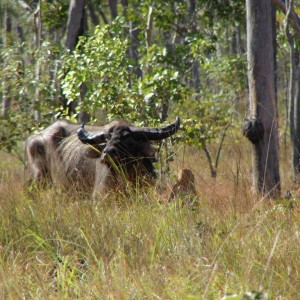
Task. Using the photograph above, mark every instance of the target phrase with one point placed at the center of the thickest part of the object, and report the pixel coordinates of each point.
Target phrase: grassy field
(56, 246)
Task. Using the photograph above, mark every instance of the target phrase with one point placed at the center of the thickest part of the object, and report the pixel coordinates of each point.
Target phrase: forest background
(146, 61)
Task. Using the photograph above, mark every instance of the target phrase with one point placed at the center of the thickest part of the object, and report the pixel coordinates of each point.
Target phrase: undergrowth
(138, 246)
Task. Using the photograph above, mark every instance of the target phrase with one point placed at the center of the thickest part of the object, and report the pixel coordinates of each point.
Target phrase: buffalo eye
(108, 136)
(125, 134)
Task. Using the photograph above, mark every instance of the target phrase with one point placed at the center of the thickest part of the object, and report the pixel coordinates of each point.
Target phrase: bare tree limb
(213, 171)
(221, 144)
(295, 20)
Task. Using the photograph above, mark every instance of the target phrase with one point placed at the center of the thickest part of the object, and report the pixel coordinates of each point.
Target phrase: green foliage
(101, 64)
(55, 13)
(13, 87)
(27, 73)
(161, 85)
(229, 73)
(100, 78)
(204, 120)
(225, 9)
(20, 82)
(207, 114)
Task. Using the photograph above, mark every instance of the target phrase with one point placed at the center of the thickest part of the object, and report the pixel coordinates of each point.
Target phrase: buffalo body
(94, 158)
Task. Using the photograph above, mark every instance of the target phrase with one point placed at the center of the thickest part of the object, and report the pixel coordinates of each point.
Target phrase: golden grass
(55, 246)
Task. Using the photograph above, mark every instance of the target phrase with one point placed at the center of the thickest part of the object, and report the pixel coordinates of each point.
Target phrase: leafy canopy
(101, 65)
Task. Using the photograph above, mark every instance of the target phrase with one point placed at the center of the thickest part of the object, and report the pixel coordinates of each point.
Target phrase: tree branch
(295, 20)
(221, 144)
(213, 171)
(25, 5)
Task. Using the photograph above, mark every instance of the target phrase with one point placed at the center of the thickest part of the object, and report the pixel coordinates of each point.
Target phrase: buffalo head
(124, 144)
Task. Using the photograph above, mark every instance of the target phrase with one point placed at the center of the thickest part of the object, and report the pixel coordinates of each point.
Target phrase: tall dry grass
(136, 246)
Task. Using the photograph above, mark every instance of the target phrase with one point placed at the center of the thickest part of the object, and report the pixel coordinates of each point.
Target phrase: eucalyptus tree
(261, 127)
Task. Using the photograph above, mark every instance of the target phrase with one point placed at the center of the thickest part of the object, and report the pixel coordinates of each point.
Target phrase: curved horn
(86, 138)
(156, 133)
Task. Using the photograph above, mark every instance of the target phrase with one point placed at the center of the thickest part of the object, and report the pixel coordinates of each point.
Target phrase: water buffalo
(94, 158)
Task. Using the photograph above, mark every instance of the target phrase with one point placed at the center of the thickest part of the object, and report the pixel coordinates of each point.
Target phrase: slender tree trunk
(76, 25)
(236, 44)
(296, 139)
(294, 18)
(133, 48)
(94, 16)
(38, 31)
(274, 41)
(134, 41)
(195, 76)
(293, 92)
(104, 18)
(261, 128)
(6, 99)
(113, 7)
(149, 27)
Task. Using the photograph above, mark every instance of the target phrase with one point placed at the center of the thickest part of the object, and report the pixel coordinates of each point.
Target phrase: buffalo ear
(92, 152)
(37, 147)
(59, 134)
